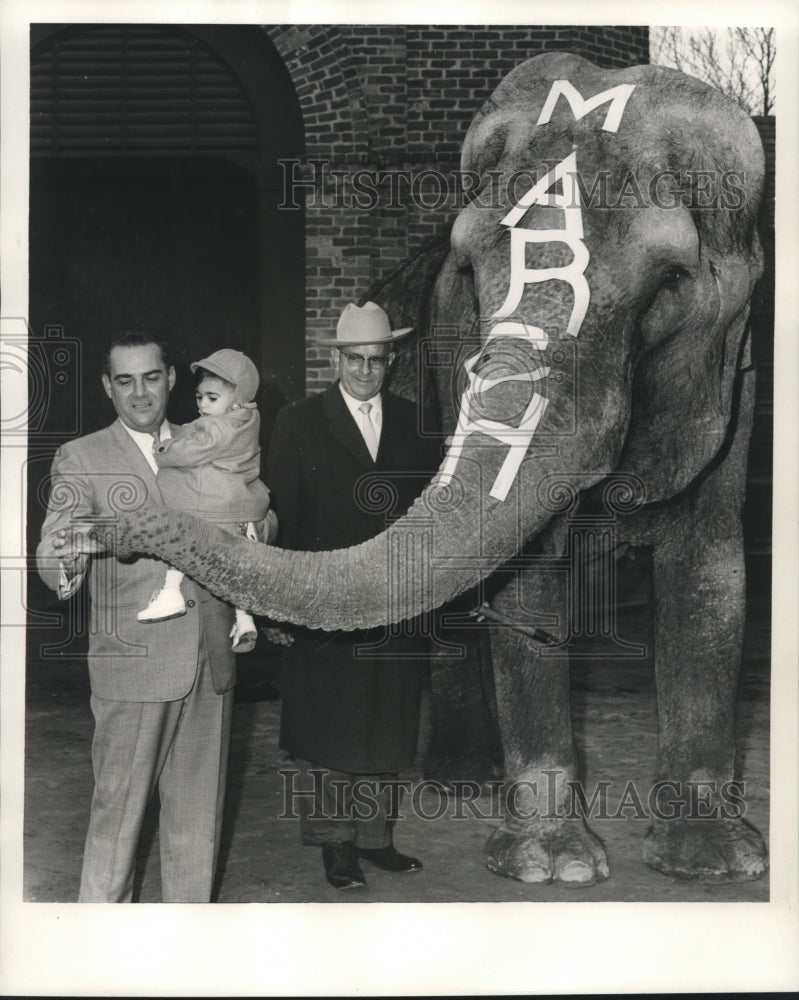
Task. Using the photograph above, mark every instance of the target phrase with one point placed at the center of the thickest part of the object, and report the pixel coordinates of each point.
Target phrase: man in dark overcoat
(350, 700)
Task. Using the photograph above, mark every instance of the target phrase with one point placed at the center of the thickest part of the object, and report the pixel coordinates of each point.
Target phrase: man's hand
(74, 545)
(277, 635)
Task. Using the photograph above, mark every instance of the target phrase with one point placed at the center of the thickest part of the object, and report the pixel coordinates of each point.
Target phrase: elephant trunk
(455, 534)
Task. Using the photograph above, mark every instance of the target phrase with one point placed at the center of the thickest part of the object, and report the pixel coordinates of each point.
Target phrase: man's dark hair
(135, 338)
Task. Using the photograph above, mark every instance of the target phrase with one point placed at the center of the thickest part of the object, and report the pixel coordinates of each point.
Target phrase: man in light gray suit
(161, 692)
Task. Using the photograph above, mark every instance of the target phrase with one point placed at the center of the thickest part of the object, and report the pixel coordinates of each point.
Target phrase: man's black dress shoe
(341, 866)
(389, 859)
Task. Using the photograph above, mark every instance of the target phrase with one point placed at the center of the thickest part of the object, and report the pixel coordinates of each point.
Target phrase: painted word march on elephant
(519, 436)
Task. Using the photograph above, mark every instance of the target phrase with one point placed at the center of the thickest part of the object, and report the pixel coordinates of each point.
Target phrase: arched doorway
(154, 194)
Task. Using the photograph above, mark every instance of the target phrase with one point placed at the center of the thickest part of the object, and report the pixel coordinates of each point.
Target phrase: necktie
(369, 432)
(156, 436)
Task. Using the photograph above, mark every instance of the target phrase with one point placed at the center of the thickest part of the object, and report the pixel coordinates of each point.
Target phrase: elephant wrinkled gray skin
(599, 283)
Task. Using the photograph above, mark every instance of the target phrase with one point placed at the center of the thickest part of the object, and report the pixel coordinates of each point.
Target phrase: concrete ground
(262, 858)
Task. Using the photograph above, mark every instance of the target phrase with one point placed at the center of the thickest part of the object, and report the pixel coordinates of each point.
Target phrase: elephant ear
(686, 386)
(695, 329)
(405, 294)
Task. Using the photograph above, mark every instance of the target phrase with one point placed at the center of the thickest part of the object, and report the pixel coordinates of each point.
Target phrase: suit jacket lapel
(386, 445)
(343, 427)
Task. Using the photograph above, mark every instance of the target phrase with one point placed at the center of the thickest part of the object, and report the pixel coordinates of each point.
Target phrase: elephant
(584, 332)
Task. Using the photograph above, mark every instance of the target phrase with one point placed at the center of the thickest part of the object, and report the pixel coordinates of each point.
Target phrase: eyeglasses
(358, 360)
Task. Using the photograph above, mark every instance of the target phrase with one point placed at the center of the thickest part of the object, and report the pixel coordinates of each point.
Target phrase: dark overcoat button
(189, 604)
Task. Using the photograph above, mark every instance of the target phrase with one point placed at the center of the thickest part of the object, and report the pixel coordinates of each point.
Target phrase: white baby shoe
(164, 604)
(243, 632)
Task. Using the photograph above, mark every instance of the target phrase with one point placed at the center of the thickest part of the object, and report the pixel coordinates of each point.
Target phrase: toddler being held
(211, 468)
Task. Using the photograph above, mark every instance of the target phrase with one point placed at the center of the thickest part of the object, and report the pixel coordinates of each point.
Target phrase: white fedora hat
(358, 325)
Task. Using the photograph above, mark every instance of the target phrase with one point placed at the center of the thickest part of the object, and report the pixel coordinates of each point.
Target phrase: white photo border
(421, 949)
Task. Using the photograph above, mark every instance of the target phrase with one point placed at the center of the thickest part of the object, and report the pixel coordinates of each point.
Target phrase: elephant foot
(562, 852)
(723, 850)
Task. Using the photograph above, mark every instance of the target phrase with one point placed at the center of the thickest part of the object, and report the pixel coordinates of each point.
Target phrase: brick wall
(386, 108)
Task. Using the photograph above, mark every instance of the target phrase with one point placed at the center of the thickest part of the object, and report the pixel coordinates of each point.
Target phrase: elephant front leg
(541, 838)
(698, 831)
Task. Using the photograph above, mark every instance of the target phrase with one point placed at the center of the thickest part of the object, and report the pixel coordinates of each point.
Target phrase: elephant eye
(673, 277)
